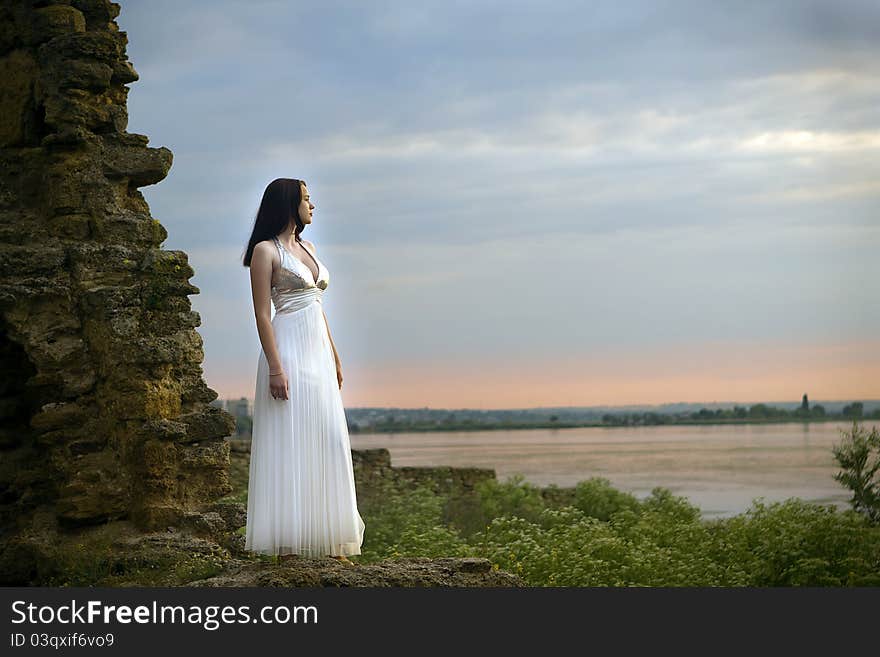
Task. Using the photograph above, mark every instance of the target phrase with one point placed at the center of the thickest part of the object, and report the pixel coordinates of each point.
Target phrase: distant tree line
(758, 412)
(426, 419)
(401, 422)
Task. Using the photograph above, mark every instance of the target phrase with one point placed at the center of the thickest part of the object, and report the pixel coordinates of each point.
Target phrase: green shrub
(859, 456)
(664, 542)
(513, 497)
(596, 497)
(406, 523)
(436, 541)
(797, 543)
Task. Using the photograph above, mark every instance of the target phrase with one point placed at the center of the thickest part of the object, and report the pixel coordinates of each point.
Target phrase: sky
(527, 204)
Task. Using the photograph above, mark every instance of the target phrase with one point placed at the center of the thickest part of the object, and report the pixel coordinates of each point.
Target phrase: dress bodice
(293, 284)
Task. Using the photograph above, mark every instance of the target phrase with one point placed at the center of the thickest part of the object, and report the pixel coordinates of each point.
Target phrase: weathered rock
(106, 416)
(200, 552)
(401, 572)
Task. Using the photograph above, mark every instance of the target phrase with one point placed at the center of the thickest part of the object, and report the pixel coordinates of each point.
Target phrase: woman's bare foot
(342, 558)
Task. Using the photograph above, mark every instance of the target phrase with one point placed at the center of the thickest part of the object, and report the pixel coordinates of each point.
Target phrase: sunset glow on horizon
(724, 373)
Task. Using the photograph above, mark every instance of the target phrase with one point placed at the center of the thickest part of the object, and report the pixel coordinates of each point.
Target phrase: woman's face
(305, 206)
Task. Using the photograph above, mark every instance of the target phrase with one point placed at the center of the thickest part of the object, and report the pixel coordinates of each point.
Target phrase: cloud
(603, 173)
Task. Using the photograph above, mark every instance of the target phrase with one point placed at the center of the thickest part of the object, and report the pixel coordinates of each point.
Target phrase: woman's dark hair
(280, 204)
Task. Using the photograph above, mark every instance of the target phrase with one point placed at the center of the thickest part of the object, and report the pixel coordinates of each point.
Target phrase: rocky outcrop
(405, 572)
(204, 550)
(105, 413)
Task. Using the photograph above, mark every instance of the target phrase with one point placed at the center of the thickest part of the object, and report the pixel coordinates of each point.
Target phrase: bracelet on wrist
(275, 374)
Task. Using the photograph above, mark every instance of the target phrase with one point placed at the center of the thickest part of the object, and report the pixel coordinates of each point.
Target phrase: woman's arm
(261, 283)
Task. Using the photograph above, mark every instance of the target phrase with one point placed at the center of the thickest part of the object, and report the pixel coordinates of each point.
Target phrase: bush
(859, 456)
(797, 543)
(514, 497)
(597, 498)
(568, 548)
(406, 523)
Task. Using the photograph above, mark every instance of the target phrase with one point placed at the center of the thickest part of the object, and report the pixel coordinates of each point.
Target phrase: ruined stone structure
(370, 465)
(104, 409)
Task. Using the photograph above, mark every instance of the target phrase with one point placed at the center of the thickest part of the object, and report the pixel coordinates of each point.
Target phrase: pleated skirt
(301, 489)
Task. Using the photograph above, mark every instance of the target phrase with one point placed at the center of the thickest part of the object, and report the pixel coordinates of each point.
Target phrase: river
(719, 468)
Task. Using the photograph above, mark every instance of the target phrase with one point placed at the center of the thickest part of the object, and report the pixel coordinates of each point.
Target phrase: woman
(301, 491)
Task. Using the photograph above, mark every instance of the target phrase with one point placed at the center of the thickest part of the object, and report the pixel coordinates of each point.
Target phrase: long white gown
(301, 490)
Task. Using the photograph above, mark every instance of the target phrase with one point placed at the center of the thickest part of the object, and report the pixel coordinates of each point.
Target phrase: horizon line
(527, 408)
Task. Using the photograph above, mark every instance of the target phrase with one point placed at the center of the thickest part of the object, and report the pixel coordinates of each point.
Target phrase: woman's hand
(278, 385)
(339, 373)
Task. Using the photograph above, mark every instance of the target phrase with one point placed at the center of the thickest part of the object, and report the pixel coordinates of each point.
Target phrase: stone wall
(372, 469)
(374, 465)
(105, 413)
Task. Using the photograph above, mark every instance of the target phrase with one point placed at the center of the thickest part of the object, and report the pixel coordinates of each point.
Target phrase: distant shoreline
(403, 428)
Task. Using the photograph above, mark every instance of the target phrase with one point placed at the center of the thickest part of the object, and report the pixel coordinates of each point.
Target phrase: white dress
(301, 490)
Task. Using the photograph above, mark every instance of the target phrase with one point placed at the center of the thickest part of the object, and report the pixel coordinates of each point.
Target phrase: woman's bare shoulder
(266, 249)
